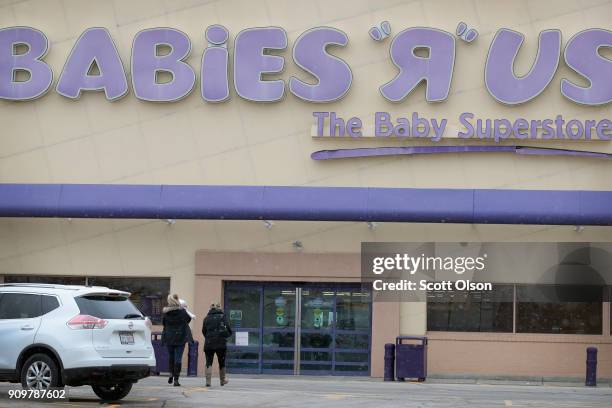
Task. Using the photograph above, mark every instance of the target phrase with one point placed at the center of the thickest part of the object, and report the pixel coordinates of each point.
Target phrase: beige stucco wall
(55, 140)
(518, 355)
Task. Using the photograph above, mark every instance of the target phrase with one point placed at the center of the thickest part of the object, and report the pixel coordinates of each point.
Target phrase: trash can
(411, 357)
(161, 354)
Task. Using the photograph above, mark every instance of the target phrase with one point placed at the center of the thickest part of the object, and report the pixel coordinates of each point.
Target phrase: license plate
(126, 337)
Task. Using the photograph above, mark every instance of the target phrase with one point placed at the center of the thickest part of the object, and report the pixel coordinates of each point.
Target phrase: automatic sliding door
(303, 329)
(278, 329)
(317, 330)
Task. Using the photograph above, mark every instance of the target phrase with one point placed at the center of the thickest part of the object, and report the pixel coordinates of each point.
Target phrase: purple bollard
(591, 367)
(161, 354)
(389, 362)
(192, 361)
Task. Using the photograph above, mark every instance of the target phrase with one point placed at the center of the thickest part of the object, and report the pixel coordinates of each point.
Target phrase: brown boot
(222, 378)
(208, 373)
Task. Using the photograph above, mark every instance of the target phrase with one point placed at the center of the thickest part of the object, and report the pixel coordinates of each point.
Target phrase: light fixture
(372, 225)
(297, 245)
(268, 224)
(578, 228)
(171, 221)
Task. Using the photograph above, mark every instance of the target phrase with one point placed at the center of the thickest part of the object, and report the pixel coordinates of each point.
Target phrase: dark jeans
(210, 354)
(175, 356)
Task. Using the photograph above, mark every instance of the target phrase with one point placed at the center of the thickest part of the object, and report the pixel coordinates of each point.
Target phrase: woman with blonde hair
(174, 336)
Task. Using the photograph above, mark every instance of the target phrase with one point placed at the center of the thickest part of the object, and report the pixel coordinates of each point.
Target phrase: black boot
(177, 373)
(171, 371)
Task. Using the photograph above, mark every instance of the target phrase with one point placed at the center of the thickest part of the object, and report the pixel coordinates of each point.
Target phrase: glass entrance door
(317, 330)
(298, 329)
(278, 346)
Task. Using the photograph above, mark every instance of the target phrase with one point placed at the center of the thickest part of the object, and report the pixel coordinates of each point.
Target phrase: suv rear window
(107, 307)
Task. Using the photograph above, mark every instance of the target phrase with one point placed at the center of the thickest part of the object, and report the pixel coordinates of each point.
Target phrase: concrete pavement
(322, 392)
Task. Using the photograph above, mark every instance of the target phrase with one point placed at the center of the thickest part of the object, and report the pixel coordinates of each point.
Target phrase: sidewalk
(342, 392)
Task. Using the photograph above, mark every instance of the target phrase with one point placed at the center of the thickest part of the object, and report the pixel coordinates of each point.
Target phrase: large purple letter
(333, 74)
(10, 62)
(436, 69)
(500, 80)
(215, 61)
(250, 62)
(582, 55)
(94, 45)
(146, 63)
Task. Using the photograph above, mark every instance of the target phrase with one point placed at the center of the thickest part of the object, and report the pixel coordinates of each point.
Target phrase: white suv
(56, 335)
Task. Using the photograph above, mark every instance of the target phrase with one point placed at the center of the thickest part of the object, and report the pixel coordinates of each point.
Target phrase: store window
(559, 309)
(148, 294)
(475, 311)
(52, 280)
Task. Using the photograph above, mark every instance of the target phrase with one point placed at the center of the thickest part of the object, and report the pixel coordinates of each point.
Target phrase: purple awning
(551, 207)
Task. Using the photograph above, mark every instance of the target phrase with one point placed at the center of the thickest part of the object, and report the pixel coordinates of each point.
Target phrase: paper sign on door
(242, 338)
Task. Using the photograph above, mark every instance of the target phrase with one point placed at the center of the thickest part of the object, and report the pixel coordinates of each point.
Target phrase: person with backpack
(174, 336)
(216, 330)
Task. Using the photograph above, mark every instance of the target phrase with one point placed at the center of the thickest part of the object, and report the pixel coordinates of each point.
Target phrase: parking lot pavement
(321, 392)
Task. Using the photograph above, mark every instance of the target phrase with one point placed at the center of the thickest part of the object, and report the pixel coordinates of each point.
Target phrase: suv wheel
(39, 372)
(112, 392)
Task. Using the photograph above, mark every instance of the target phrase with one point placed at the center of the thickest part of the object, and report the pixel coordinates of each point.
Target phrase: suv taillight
(148, 323)
(84, 322)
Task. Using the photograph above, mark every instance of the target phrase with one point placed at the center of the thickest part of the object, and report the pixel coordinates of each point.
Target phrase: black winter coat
(176, 330)
(213, 340)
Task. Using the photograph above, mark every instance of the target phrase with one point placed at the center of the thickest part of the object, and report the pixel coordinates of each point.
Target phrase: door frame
(260, 286)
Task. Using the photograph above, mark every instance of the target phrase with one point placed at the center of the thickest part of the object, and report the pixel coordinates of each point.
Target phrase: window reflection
(476, 311)
(353, 309)
(242, 307)
(561, 309)
(148, 294)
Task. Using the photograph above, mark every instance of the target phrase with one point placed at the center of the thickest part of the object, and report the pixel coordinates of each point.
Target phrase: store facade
(182, 161)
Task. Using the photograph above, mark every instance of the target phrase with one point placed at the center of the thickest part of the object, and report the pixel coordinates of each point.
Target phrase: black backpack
(219, 329)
